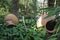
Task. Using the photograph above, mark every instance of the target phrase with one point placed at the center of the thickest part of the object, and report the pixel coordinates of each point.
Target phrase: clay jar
(11, 20)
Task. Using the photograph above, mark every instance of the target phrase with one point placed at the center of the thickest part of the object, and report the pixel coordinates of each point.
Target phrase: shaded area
(50, 25)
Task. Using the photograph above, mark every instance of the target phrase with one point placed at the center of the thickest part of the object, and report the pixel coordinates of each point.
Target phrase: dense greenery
(26, 29)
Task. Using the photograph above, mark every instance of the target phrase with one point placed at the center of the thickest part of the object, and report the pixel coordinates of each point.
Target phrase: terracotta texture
(11, 19)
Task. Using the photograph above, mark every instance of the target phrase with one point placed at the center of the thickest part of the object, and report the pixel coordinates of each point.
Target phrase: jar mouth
(50, 25)
(11, 26)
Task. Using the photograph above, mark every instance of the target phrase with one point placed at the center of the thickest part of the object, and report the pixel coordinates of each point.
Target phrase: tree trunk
(58, 2)
(15, 7)
(51, 3)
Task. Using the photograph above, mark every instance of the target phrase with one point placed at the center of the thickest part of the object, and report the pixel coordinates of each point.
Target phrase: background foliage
(26, 29)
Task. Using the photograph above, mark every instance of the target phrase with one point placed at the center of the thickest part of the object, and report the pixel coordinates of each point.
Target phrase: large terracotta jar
(44, 22)
(11, 20)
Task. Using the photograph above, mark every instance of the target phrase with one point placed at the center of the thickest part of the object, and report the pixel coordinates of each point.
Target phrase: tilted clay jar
(42, 21)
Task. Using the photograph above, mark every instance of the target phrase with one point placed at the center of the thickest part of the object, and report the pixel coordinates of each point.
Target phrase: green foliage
(19, 32)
